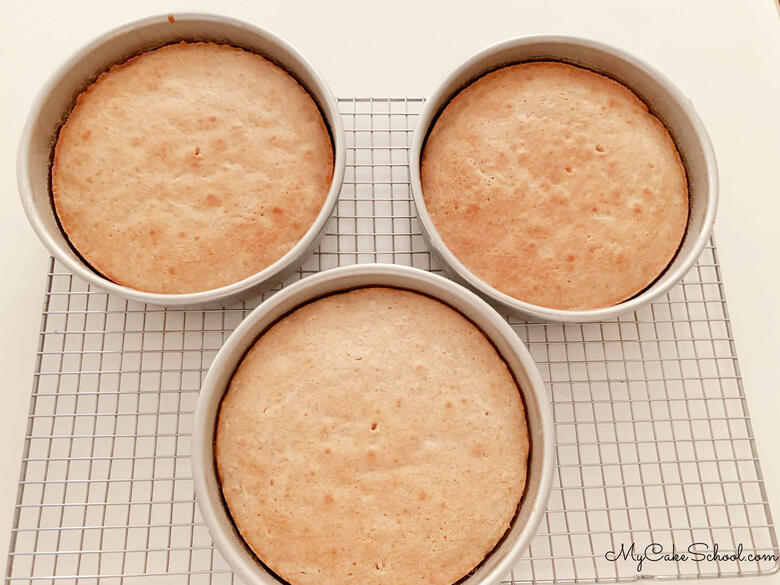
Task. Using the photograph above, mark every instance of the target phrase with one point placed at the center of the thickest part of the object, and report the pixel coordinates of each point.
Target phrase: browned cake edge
(218, 467)
(65, 127)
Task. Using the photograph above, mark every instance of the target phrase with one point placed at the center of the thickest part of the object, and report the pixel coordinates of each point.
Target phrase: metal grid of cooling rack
(654, 438)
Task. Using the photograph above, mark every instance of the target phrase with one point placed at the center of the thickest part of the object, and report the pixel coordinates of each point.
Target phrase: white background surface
(724, 54)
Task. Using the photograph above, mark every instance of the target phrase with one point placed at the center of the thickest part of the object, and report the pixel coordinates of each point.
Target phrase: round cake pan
(538, 411)
(663, 99)
(55, 100)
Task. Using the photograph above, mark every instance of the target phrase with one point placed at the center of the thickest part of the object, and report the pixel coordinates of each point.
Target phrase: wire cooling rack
(654, 439)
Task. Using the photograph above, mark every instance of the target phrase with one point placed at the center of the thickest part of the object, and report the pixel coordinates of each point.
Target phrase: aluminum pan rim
(539, 481)
(437, 101)
(267, 276)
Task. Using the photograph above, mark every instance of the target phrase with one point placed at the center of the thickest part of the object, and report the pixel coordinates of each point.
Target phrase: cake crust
(190, 167)
(579, 193)
(372, 437)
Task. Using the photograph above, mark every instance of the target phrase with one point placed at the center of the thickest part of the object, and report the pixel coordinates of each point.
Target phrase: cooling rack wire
(654, 443)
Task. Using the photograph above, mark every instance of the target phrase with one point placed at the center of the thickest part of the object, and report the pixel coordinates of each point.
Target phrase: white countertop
(724, 54)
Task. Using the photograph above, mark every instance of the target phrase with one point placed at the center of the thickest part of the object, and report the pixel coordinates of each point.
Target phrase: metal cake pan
(538, 410)
(663, 99)
(55, 100)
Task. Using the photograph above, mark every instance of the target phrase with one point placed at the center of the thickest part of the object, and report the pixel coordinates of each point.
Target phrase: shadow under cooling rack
(654, 438)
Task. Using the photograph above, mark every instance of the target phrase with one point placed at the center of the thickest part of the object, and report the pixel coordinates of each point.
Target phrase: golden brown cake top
(190, 167)
(556, 186)
(372, 437)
